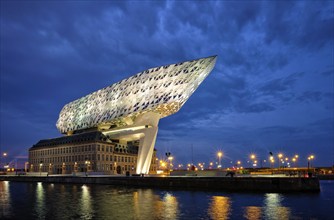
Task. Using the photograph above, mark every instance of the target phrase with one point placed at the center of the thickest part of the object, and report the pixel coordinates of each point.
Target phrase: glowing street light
(40, 167)
(272, 161)
(219, 154)
(4, 156)
(87, 163)
(311, 157)
(170, 160)
(279, 158)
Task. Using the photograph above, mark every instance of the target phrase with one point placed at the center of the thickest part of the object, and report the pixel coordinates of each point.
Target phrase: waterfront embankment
(244, 184)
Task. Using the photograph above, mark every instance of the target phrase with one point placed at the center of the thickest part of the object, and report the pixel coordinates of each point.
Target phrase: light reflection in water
(86, 203)
(253, 212)
(5, 201)
(169, 207)
(143, 200)
(40, 201)
(219, 208)
(74, 201)
(273, 208)
(148, 204)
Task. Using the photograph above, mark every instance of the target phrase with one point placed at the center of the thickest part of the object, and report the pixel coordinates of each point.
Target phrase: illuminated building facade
(129, 111)
(85, 152)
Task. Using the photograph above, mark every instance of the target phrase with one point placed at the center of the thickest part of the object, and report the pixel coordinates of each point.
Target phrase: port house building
(114, 129)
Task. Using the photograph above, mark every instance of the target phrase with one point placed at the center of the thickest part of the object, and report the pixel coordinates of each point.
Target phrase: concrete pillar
(147, 142)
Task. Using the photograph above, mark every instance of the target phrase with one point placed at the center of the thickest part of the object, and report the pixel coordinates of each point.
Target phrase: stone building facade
(85, 152)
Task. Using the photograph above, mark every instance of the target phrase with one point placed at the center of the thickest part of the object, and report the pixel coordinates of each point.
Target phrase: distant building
(85, 152)
(119, 121)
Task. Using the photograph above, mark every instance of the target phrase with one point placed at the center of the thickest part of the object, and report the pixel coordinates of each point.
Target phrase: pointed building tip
(213, 56)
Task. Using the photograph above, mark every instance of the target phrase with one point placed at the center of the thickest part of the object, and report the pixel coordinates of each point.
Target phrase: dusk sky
(272, 88)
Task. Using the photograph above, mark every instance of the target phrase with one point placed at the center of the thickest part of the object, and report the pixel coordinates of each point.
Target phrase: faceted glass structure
(161, 90)
(133, 107)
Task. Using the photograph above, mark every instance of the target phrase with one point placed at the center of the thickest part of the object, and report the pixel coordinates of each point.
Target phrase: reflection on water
(169, 208)
(146, 204)
(71, 201)
(219, 207)
(40, 203)
(273, 208)
(253, 213)
(86, 203)
(5, 202)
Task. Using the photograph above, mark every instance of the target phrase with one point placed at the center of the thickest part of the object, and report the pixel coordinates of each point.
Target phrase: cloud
(302, 24)
(282, 84)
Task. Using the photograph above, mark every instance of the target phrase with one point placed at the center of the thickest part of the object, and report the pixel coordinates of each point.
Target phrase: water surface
(22, 200)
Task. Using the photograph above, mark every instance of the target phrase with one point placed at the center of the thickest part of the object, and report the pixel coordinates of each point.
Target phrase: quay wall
(245, 184)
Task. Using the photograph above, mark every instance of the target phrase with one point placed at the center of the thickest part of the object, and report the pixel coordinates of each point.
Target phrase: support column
(146, 144)
(146, 148)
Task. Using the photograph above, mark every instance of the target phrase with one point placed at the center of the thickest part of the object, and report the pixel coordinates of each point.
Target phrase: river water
(23, 200)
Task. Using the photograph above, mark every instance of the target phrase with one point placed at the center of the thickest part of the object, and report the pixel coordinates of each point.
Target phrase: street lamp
(170, 158)
(4, 157)
(294, 160)
(40, 167)
(272, 162)
(219, 154)
(87, 164)
(254, 162)
(279, 158)
(311, 157)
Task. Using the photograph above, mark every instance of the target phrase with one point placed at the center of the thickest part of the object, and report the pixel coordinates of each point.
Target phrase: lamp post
(279, 159)
(253, 157)
(168, 156)
(4, 158)
(309, 161)
(219, 154)
(86, 163)
(296, 159)
(40, 167)
(271, 158)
